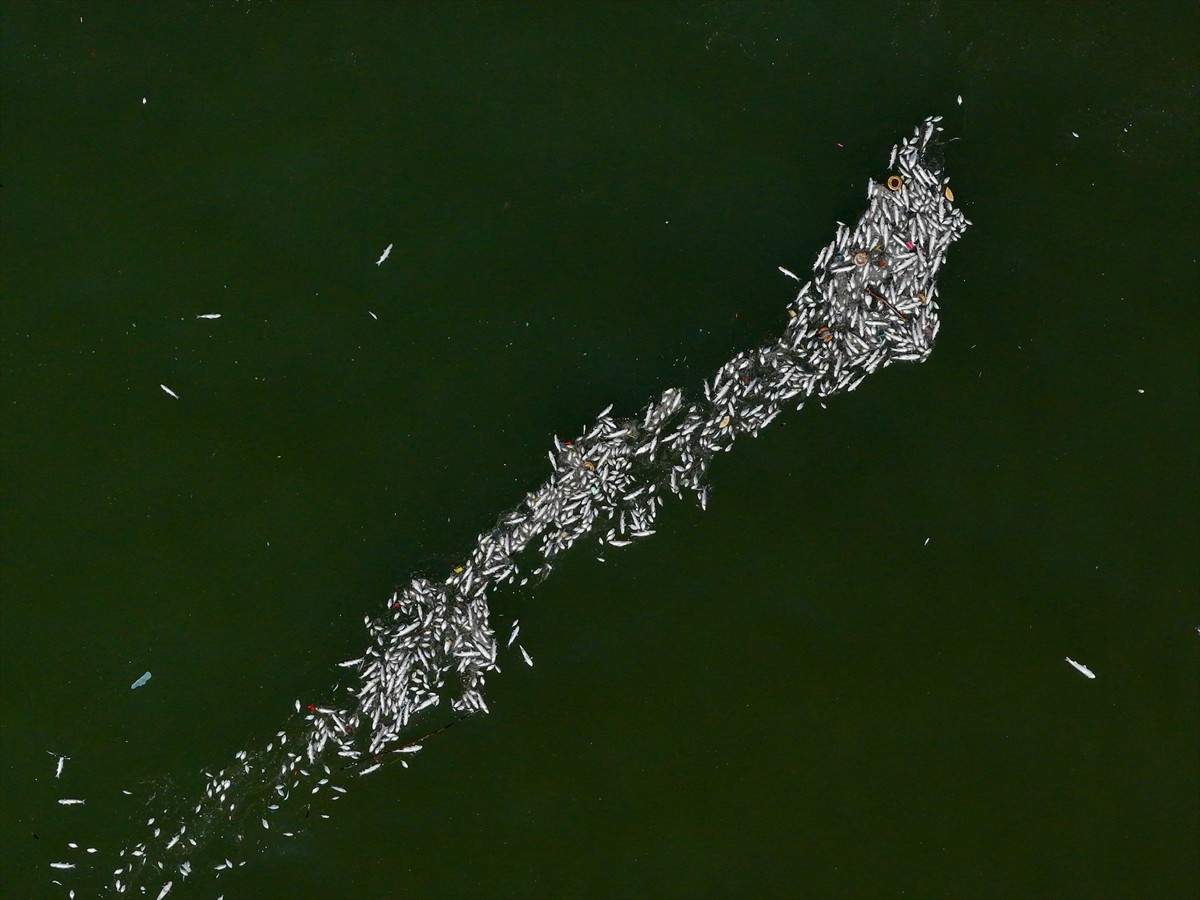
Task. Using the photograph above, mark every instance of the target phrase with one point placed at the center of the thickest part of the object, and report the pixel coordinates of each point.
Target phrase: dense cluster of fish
(871, 302)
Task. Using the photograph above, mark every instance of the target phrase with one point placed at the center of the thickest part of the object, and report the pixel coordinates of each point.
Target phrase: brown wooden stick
(870, 290)
(396, 753)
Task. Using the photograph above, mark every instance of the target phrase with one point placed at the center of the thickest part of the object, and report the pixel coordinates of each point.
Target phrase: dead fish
(1081, 667)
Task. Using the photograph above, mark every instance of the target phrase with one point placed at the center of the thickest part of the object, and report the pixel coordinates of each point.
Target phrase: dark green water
(791, 694)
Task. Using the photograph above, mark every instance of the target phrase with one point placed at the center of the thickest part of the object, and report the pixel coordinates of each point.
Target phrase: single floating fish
(791, 275)
(58, 770)
(386, 252)
(209, 316)
(137, 684)
(1081, 667)
(67, 801)
(169, 391)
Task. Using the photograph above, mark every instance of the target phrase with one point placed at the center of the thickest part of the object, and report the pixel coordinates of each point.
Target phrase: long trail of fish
(871, 302)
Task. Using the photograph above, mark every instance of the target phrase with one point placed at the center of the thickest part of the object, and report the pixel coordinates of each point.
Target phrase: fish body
(1081, 667)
